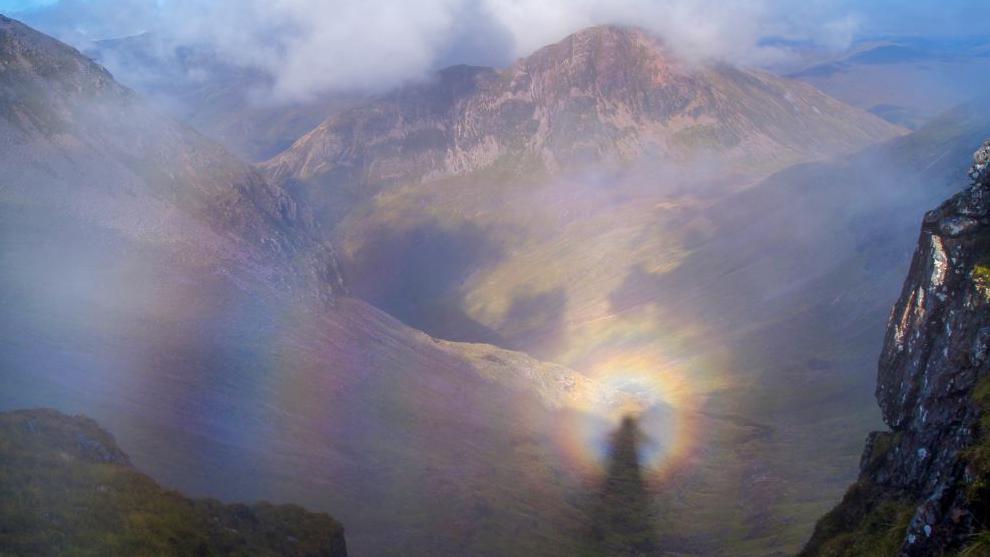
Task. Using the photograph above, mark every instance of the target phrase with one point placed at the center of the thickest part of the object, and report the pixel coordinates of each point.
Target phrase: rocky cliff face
(922, 486)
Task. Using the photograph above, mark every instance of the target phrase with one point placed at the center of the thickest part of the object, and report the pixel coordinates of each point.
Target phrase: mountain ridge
(160, 285)
(61, 111)
(606, 94)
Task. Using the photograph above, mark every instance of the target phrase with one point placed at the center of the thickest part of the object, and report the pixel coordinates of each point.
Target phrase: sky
(311, 46)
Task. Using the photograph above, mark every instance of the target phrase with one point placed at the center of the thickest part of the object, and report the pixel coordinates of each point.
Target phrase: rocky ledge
(924, 486)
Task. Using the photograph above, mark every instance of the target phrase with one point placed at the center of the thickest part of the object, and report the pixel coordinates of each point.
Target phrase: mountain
(68, 489)
(755, 296)
(905, 80)
(605, 94)
(224, 101)
(922, 484)
(157, 283)
(760, 307)
(522, 171)
(793, 279)
(80, 147)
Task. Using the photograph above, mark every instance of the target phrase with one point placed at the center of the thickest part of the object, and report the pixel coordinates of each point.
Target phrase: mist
(623, 297)
(308, 47)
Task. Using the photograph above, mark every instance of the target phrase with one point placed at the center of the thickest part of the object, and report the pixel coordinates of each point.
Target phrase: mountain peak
(611, 56)
(608, 35)
(603, 94)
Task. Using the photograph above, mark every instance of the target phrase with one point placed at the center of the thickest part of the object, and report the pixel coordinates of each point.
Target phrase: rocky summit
(924, 486)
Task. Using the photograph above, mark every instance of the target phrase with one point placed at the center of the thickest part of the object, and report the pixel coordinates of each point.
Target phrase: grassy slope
(771, 302)
(66, 489)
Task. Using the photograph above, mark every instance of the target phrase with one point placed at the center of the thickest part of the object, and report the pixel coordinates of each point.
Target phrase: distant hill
(905, 80)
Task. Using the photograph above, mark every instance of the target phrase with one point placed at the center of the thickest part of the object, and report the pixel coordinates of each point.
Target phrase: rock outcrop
(922, 486)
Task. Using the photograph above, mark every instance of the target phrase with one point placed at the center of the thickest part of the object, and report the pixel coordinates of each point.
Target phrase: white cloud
(309, 46)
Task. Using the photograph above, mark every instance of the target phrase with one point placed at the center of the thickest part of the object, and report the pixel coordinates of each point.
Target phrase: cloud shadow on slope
(416, 274)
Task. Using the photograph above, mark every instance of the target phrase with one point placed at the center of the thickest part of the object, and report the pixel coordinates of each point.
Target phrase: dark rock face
(933, 360)
(933, 356)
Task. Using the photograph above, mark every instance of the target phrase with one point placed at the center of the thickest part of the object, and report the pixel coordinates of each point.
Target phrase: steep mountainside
(153, 281)
(922, 488)
(605, 94)
(760, 306)
(794, 279)
(79, 146)
(735, 290)
(68, 489)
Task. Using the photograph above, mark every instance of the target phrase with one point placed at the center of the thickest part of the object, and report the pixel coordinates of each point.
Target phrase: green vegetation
(66, 489)
(870, 521)
(981, 269)
(978, 547)
(883, 442)
(981, 272)
(977, 459)
(867, 523)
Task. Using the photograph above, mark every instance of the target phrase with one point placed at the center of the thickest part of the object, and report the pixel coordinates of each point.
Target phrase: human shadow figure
(622, 521)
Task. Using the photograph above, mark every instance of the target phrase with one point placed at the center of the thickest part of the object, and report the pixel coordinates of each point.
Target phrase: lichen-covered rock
(981, 160)
(933, 361)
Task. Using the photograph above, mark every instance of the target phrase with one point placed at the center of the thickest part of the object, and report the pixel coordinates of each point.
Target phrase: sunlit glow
(653, 391)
